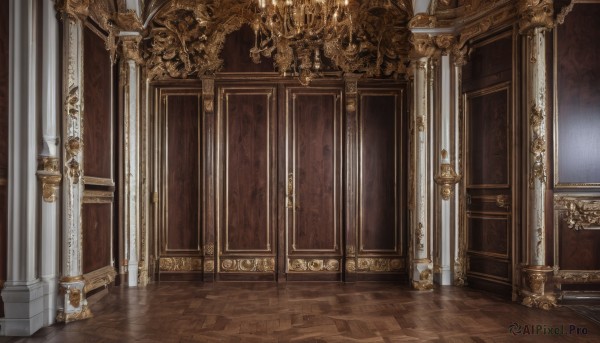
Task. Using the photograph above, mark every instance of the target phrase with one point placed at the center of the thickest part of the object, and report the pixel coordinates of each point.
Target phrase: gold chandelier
(296, 33)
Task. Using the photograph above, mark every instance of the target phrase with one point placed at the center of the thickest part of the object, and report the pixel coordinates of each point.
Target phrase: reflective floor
(314, 312)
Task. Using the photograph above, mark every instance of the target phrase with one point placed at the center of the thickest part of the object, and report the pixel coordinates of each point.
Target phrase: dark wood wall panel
(97, 222)
(489, 267)
(578, 95)
(4, 35)
(488, 234)
(488, 139)
(578, 250)
(182, 172)
(235, 53)
(315, 151)
(379, 158)
(249, 162)
(489, 63)
(97, 126)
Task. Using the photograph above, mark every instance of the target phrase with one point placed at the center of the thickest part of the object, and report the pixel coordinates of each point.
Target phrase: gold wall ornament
(420, 234)
(445, 43)
(380, 264)
(180, 264)
(130, 46)
(422, 45)
(459, 271)
(534, 14)
(538, 146)
(564, 11)
(577, 276)
(209, 105)
(580, 214)
(209, 265)
(74, 296)
(446, 178)
(248, 265)
(313, 265)
(50, 177)
(209, 249)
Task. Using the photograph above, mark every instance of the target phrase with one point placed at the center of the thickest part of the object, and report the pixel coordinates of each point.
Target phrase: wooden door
(246, 183)
(313, 183)
(490, 169)
(180, 188)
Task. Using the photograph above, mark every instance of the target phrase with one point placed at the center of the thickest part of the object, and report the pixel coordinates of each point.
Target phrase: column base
(23, 309)
(132, 274)
(533, 290)
(422, 278)
(50, 292)
(444, 276)
(72, 296)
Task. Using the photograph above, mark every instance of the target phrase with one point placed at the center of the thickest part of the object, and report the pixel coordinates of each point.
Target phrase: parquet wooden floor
(311, 312)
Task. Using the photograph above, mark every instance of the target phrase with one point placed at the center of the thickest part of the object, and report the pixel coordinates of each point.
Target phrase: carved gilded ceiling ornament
(535, 13)
(130, 47)
(445, 43)
(580, 214)
(76, 8)
(422, 20)
(187, 37)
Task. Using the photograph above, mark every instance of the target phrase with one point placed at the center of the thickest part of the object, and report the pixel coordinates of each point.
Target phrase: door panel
(313, 215)
(489, 188)
(380, 175)
(248, 209)
(180, 233)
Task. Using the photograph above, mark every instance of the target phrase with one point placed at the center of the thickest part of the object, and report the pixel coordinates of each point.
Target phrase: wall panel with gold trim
(313, 215)
(99, 164)
(180, 174)
(247, 182)
(381, 187)
(576, 201)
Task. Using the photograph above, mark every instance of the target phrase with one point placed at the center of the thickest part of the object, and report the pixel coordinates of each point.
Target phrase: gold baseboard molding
(99, 278)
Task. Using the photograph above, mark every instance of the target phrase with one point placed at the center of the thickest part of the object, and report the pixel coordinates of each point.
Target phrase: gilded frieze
(379, 264)
(248, 265)
(180, 264)
(313, 265)
(578, 213)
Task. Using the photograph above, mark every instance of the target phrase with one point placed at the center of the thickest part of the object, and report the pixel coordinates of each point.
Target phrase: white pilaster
(23, 291)
(72, 304)
(131, 41)
(422, 277)
(49, 158)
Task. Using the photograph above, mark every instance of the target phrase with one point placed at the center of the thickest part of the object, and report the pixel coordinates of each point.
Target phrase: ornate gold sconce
(446, 178)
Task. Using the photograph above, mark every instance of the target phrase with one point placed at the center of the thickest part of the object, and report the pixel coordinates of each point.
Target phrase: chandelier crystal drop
(296, 33)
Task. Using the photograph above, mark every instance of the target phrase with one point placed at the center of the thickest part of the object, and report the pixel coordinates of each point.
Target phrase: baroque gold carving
(578, 276)
(209, 249)
(446, 178)
(422, 20)
(534, 294)
(209, 105)
(580, 214)
(313, 265)
(131, 48)
(75, 8)
(420, 235)
(560, 17)
(350, 266)
(50, 177)
(422, 45)
(535, 13)
(99, 278)
(425, 281)
(63, 317)
(380, 264)
(74, 296)
(180, 264)
(209, 265)
(444, 43)
(538, 147)
(248, 265)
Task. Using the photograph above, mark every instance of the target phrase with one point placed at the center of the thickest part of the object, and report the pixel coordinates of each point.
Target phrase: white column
(23, 291)
(422, 277)
(72, 304)
(445, 272)
(132, 59)
(49, 173)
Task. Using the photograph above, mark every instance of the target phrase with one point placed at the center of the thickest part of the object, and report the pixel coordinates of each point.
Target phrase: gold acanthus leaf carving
(248, 265)
(313, 265)
(535, 13)
(75, 8)
(580, 214)
(366, 264)
(178, 264)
